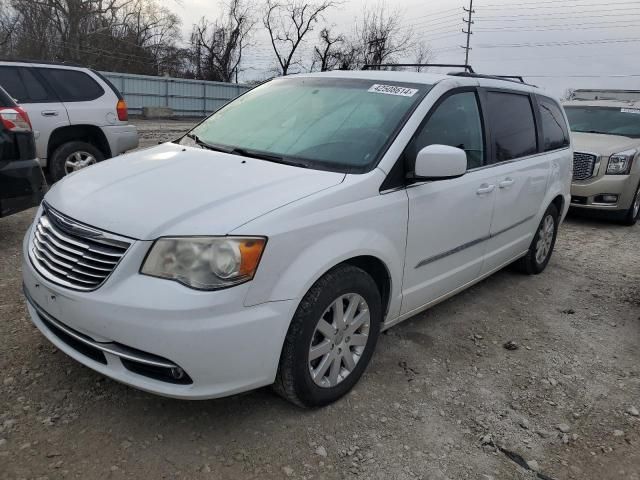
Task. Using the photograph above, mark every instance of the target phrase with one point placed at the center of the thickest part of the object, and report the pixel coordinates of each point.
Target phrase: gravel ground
(442, 398)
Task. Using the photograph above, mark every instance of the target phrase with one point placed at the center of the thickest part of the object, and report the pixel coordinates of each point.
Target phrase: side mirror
(439, 162)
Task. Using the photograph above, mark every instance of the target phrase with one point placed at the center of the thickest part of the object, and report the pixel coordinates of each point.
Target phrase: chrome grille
(72, 254)
(583, 164)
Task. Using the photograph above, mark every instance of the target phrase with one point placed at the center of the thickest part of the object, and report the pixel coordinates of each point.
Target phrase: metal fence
(188, 98)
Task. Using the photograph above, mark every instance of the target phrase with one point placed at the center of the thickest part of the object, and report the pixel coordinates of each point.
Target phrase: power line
(561, 43)
(555, 4)
(581, 25)
(506, 30)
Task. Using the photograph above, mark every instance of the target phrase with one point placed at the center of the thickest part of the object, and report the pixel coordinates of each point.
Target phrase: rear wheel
(331, 338)
(541, 248)
(633, 214)
(72, 156)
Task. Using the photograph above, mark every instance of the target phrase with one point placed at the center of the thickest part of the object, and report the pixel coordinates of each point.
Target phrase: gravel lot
(442, 398)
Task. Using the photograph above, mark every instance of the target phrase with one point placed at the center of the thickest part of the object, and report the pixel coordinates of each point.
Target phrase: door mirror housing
(439, 162)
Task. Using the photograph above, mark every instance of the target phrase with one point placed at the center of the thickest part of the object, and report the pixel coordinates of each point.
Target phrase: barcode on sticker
(631, 110)
(393, 90)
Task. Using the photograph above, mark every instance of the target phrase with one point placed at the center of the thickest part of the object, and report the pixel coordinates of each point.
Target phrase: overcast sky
(554, 44)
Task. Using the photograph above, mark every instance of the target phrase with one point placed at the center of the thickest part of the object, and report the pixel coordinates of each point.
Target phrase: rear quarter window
(512, 124)
(72, 85)
(554, 128)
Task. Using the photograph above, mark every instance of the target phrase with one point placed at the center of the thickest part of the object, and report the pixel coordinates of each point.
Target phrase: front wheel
(541, 248)
(631, 216)
(331, 338)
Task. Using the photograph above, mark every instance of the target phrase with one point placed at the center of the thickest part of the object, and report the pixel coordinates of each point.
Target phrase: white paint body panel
(230, 340)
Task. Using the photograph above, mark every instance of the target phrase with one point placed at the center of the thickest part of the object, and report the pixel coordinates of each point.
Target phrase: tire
(633, 214)
(347, 285)
(533, 263)
(79, 152)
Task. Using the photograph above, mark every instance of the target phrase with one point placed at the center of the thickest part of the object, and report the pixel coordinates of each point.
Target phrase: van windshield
(323, 123)
(606, 120)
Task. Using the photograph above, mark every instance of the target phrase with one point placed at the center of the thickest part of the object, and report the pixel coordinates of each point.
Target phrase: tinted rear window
(12, 83)
(22, 84)
(72, 85)
(5, 99)
(554, 127)
(513, 125)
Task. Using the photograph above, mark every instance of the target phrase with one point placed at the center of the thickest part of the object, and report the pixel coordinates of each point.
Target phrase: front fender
(312, 236)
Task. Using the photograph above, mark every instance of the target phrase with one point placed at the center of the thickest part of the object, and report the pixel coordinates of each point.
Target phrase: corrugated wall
(188, 98)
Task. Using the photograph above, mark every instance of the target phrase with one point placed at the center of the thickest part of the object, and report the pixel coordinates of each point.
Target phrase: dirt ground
(441, 399)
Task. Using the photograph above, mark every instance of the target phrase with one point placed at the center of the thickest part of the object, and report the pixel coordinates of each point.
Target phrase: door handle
(485, 188)
(506, 183)
(49, 113)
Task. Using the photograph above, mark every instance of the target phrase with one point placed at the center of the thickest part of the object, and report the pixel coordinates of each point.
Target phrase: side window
(12, 83)
(72, 85)
(455, 122)
(513, 125)
(554, 128)
(23, 85)
(35, 90)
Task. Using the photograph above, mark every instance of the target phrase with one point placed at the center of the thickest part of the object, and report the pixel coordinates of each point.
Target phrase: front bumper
(588, 193)
(223, 346)
(121, 138)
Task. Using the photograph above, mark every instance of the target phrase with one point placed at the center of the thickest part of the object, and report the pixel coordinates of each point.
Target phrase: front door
(45, 110)
(449, 220)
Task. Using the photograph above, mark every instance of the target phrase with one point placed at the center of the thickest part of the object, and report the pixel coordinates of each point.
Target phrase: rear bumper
(588, 194)
(121, 138)
(22, 186)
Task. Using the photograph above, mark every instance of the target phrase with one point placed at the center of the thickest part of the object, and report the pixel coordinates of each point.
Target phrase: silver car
(79, 118)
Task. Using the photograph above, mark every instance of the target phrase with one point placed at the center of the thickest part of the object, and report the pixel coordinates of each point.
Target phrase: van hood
(176, 190)
(600, 144)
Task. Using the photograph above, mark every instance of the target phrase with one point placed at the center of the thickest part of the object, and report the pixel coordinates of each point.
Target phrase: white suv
(79, 118)
(274, 241)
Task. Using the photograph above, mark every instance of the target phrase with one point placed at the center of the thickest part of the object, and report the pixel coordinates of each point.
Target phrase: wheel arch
(82, 133)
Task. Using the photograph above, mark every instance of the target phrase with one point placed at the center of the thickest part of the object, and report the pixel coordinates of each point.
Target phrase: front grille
(583, 164)
(74, 255)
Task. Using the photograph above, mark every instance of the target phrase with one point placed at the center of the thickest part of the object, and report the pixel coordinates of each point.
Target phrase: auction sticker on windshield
(393, 90)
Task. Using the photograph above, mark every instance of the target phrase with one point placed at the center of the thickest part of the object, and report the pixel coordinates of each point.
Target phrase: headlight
(620, 163)
(205, 263)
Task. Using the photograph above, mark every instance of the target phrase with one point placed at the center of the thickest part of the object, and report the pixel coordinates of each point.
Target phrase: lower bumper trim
(137, 361)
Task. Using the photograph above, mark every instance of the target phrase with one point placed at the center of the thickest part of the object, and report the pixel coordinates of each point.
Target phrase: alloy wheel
(339, 340)
(545, 239)
(77, 161)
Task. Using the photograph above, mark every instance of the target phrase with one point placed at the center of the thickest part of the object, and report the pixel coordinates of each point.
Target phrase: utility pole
(468, 31)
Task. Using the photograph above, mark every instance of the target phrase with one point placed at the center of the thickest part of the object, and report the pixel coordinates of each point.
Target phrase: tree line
(144, 37)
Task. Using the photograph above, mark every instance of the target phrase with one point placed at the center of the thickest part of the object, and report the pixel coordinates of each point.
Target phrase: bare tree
(381, 36)
(568, 94)
(328, 53)
(137, 36)
(288, 22)
(422, 54)
(217, 47)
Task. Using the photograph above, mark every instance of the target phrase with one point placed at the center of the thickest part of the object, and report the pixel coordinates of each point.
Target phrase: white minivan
(275, 241)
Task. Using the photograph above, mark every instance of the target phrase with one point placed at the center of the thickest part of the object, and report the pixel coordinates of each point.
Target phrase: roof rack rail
(506, 78)
(377, 66)
(43, 62)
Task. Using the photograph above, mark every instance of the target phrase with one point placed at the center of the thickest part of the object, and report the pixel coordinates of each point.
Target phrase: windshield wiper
(209, 146)
(266, 156)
